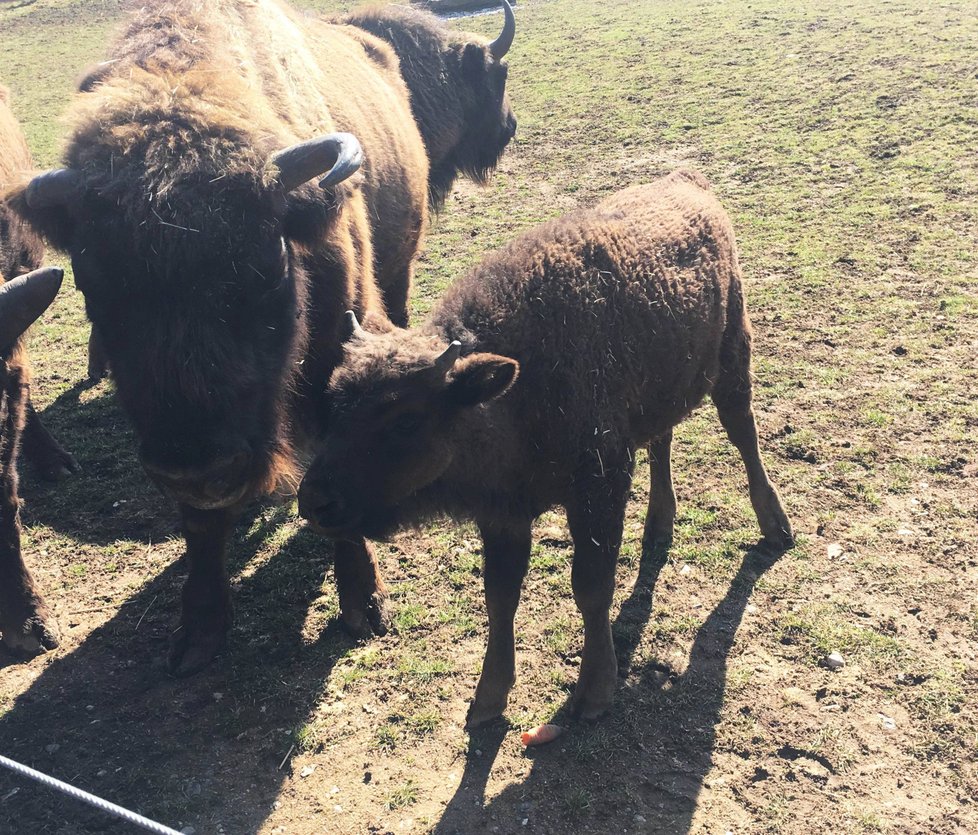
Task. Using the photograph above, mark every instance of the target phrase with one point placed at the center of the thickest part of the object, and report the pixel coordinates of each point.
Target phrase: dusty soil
(843, 140)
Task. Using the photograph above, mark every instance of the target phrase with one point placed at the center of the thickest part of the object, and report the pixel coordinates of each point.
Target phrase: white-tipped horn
(352, 327)
(499, 47)
(447, 359)
(339, 155)
(57, 187)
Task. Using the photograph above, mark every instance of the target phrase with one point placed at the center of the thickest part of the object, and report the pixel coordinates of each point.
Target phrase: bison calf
(604, 329)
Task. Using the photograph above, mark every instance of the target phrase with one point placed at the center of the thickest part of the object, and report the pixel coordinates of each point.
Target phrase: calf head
(399, 420)
(188, 250)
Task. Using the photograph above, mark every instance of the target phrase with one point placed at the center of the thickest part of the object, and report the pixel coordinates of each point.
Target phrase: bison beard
(216, 275)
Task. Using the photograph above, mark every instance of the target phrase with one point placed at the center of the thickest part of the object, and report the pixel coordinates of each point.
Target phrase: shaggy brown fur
(458, 92)
(219, 298)
(619, 321)
(25, 623)
(26, 626)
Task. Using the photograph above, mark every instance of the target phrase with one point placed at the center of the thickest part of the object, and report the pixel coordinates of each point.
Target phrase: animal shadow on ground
(652, 753)
(108, 718)
(111, 498)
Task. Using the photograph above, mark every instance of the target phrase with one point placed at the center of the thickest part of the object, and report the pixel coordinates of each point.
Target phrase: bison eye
(406, 424)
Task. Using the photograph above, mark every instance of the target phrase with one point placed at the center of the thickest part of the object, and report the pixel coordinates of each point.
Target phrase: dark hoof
(374, 619)
(478, 717)
(57, 466)
(97, 370)
(35, 636)
(778, 544)
(192, 650)
(589, 711)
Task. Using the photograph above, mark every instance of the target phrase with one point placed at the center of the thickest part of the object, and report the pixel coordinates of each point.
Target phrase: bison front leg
(506, 557)
(44, 453)
(596, 517)
(98, 360)
(206, 615)
(364, 609)
(26, 626)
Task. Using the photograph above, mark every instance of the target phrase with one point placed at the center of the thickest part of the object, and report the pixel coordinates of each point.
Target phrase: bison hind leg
(732, 395)
(661, 516)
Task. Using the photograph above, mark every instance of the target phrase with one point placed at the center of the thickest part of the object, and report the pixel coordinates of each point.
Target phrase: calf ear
(480, 378)
(54, 223)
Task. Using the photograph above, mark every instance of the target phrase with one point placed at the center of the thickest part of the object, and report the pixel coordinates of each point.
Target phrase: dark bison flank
(566, 351)
(458, 90)
(237, 176)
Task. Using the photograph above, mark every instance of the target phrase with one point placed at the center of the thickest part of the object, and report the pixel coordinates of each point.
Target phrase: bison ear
(480, 378)
(54, 222)
(474, 60)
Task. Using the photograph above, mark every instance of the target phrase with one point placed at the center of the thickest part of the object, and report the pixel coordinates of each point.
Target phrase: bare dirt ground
(843, 140)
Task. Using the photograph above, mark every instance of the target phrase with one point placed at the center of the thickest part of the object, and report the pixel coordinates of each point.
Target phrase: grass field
(843, 138)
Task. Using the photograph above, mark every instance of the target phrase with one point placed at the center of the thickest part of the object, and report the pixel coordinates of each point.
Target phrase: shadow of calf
(640, 769)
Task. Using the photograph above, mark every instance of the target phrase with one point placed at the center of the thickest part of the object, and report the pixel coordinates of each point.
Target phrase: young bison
(606, 328)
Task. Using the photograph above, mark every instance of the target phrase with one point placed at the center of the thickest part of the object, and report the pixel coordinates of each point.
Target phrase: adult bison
(458, 89)
(533, 383)
(216, 273)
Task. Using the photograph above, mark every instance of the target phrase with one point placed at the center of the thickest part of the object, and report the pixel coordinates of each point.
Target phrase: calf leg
(506, 557)
(25, 624)
(596, 517)
(364, 609)
(662, 497)
(44, 453)
(207, 613)
(732, 396)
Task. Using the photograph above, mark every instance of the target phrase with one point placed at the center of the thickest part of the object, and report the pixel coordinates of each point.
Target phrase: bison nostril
(330, 513)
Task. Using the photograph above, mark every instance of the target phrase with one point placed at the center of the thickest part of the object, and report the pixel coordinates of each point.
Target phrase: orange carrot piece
(541, 735)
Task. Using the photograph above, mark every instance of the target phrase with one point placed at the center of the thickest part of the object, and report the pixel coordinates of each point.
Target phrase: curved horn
(338, 155)
(499, 47)
(25, 298)
(446, 361)
(352, 326)
(53, 188)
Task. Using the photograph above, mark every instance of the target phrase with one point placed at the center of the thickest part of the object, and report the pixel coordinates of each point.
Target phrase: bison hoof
(33, 637)
(373, 619)
(589, 709)
(481, 715)
(193, 649)
(58, 465)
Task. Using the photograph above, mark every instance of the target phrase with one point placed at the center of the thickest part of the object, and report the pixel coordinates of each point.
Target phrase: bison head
(400, 407)
(192, 272)
(457, 83)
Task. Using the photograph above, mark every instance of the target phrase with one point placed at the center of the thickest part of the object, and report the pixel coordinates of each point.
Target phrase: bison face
(488, 120)
(400, 408)
(201, 328)
(197, 290)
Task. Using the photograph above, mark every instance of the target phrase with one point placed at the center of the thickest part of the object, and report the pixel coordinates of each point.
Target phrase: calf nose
(322, 507)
